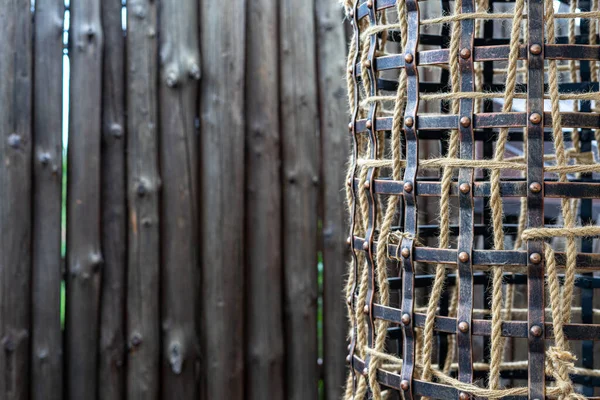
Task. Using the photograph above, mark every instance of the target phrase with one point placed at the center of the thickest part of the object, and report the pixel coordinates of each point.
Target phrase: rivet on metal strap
(405, 252)
(535, 49)
(408, 58)
(463, 327)
(535, 118)
(465, 54)
(463, 256)
(366, 309)
(536, 330)
(464, 188)
(404, 385)
(405, 319)
(369, 124)
(535, 187)
(535, 258)
(463, 396)
(408, 187)
(366, 245)
(465, 122)
(409, 121)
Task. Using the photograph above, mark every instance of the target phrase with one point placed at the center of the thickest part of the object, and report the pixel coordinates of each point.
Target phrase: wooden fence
(201, 190)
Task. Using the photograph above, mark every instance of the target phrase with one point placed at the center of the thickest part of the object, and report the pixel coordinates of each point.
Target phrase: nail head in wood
(535, 49)
(536, 330)
(535, 258)
(535, 118)
(463, 256)
(535, 187)
(463, 327)
(406, 319)
(464, 188)
(404, 385)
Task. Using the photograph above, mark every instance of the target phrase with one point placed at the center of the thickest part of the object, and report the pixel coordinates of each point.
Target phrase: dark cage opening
(473, 190)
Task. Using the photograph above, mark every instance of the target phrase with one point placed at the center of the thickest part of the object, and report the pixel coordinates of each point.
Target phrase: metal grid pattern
(431, 317)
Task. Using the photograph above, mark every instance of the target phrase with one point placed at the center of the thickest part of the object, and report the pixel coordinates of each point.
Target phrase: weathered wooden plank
(111, 353)
(46, 340)
(222, 200)
(264, 347)
(84, 259)
(15, 197)
(180, 70)
(334, 148)
(299, 122)
(143, 186)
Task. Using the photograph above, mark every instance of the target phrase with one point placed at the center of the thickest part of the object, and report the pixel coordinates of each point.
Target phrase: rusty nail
(464, 188)
(405, 252)
(406, 319)
(535, 118)
(404, 385)
(408, 187)
(465, 122)
(463, 327)
(463, 256)
(465, 54)
(535, 258)
(536, 330)
(535, 187)
(535, 49)
(408, 57)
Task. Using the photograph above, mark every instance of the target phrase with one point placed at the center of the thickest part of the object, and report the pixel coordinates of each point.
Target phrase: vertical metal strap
(465, 181)
(410, 195)
(352, 127)
(370, 70)
(535, 198)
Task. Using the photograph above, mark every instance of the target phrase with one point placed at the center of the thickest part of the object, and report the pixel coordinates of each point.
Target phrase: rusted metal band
(410, 194)
(535, 200)
(374, 147)
(465, 199)
(352, 206)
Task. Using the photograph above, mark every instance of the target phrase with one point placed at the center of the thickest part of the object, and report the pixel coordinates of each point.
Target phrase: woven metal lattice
(472, 189)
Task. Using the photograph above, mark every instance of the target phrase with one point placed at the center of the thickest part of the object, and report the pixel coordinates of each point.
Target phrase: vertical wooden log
(143, 185)
(15, 197)
(180, 70)
(84, 260)
(264, 348)
(334, 147)
(300, 197)
(111, 353)
(222, 201)
(46, 340)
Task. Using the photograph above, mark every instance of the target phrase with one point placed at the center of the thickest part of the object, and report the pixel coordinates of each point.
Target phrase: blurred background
(172, 208)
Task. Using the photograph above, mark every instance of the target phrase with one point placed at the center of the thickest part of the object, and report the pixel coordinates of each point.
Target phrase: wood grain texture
(15, 196)
(84, 259)
(46, 340)
(222, 197)
(111, 353)
(143, 188)
(180, 70)
(264, 329)
(334, 148)
(300, 147)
